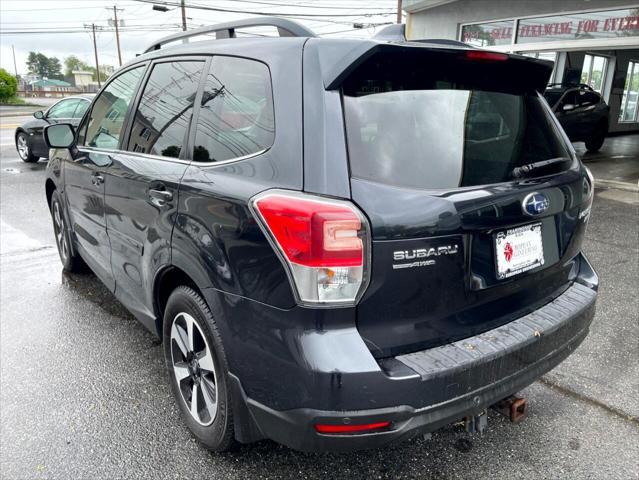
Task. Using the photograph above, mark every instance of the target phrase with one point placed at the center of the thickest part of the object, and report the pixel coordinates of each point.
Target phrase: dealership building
(595, 42)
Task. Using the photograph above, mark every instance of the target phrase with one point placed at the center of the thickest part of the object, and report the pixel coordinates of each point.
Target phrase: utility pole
(117, 32)
(183, 15)
(95, 50)
(15, 67)
(399, 11)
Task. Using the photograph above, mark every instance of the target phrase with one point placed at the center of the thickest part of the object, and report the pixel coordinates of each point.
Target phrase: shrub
(8, 85)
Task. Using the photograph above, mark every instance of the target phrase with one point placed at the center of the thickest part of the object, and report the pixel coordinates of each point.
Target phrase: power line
(254, 12)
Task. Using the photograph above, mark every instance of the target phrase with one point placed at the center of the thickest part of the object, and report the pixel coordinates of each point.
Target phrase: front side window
(105, 123)
(236, 116)
(163, 116)
(427, 123)
(64, 109)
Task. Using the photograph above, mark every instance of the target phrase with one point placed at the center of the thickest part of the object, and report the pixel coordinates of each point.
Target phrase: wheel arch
(167, 280)
(50, 187)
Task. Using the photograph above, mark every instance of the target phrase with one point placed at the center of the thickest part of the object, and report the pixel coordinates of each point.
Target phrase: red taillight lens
(323, 241)
(313, 233)
(366, 427)
(486, 56)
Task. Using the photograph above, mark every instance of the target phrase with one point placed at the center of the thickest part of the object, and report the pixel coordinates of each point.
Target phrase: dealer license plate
(518, 250)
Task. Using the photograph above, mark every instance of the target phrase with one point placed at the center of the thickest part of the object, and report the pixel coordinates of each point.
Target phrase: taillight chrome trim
(288, 266)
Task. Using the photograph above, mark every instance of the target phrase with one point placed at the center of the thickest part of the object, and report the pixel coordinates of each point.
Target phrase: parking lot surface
(84, 393)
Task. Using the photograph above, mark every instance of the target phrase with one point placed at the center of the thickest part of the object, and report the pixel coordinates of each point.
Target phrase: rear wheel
(197, 369)
(70, 262)
(22, 145)
(595, 142)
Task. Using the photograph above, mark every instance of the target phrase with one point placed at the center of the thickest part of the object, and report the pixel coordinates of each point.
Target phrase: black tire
(214, 430)
(24, 151)
(71, 262)
(595, 142)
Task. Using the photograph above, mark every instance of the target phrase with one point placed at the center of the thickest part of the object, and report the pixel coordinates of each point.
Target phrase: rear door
(143, 180)
(463, 239)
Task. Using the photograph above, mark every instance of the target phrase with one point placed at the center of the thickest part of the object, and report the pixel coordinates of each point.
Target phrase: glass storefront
(629, 111)
(593, 72)
(575, 26)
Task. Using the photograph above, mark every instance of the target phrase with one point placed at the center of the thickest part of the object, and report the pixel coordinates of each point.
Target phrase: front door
(85, 173)
(84, 191)
(142, 183)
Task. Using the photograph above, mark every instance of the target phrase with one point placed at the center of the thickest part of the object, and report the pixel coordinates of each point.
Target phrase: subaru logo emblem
(535, 204)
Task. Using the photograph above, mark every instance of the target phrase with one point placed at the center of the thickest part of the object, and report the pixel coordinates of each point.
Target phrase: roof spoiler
(397, 33)
(285, 28)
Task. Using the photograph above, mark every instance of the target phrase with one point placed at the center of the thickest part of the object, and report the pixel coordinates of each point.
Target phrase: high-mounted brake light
(486, 56)
(361, 428)
(324, 243)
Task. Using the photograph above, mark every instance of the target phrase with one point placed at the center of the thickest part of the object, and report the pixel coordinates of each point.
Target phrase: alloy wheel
(23, 148)
(58, 228)
(194, 368)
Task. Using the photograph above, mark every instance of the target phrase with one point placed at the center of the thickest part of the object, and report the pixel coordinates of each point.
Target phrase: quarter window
(163, 117)
(236, 116)
(105, 123)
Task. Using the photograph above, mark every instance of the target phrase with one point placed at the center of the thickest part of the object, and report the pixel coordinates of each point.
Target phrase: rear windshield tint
(431, 123)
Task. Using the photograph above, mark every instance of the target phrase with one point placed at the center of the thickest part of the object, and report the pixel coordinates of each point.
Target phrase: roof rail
(286, 28)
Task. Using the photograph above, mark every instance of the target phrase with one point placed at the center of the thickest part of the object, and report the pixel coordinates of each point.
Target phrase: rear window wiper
(524, 170)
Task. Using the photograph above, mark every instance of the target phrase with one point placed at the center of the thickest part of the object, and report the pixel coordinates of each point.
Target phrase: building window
(488, 34)
(580, 26)
(629, 111)
(593, 72)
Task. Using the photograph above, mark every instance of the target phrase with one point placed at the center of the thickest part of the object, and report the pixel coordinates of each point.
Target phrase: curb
(627, 186)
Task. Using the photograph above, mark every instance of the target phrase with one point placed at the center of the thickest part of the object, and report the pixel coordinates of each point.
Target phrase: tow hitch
(476, 423)
(512, 407)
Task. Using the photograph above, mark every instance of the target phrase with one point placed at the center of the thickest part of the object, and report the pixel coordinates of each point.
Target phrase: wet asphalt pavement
(84, 394)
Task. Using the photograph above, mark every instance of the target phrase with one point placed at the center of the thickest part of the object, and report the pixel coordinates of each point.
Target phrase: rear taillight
(324, 243)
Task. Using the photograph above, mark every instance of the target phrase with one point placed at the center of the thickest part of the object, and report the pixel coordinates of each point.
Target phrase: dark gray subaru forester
(341, 243)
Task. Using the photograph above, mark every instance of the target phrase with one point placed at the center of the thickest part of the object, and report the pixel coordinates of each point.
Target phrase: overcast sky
(139, 18)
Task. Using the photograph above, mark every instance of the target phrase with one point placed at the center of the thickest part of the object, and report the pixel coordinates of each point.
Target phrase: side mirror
(60, 135)
(39, 114)
(569, 107)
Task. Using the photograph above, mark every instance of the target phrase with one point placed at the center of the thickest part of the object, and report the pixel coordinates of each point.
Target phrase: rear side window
(81, 108)
(162, 118)
(430, 123)
(105, 123)
(64, 109)
(236, 115)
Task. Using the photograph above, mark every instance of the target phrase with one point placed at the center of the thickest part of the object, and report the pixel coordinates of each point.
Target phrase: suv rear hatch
(465, 235)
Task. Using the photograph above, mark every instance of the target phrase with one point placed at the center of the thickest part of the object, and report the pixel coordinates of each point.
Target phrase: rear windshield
(428, 123)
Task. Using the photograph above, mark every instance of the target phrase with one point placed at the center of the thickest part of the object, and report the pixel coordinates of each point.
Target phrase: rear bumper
(447, 383)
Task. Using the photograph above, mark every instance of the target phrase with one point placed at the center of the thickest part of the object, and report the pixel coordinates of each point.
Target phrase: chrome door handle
(160, 197)
(97, 179)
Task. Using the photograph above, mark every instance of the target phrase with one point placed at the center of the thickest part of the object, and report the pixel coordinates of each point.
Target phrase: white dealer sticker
(518, 250)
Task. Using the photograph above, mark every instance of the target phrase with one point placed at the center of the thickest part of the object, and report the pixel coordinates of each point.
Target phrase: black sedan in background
(581, 111)
(29, 140)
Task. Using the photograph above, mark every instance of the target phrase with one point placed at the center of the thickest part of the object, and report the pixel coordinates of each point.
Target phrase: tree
(72, 63)
(8, 85)
(43, 66)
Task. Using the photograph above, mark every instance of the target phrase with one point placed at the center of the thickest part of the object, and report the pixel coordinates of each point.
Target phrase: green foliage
(40, 64)
(8, 85)
(72, 63)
